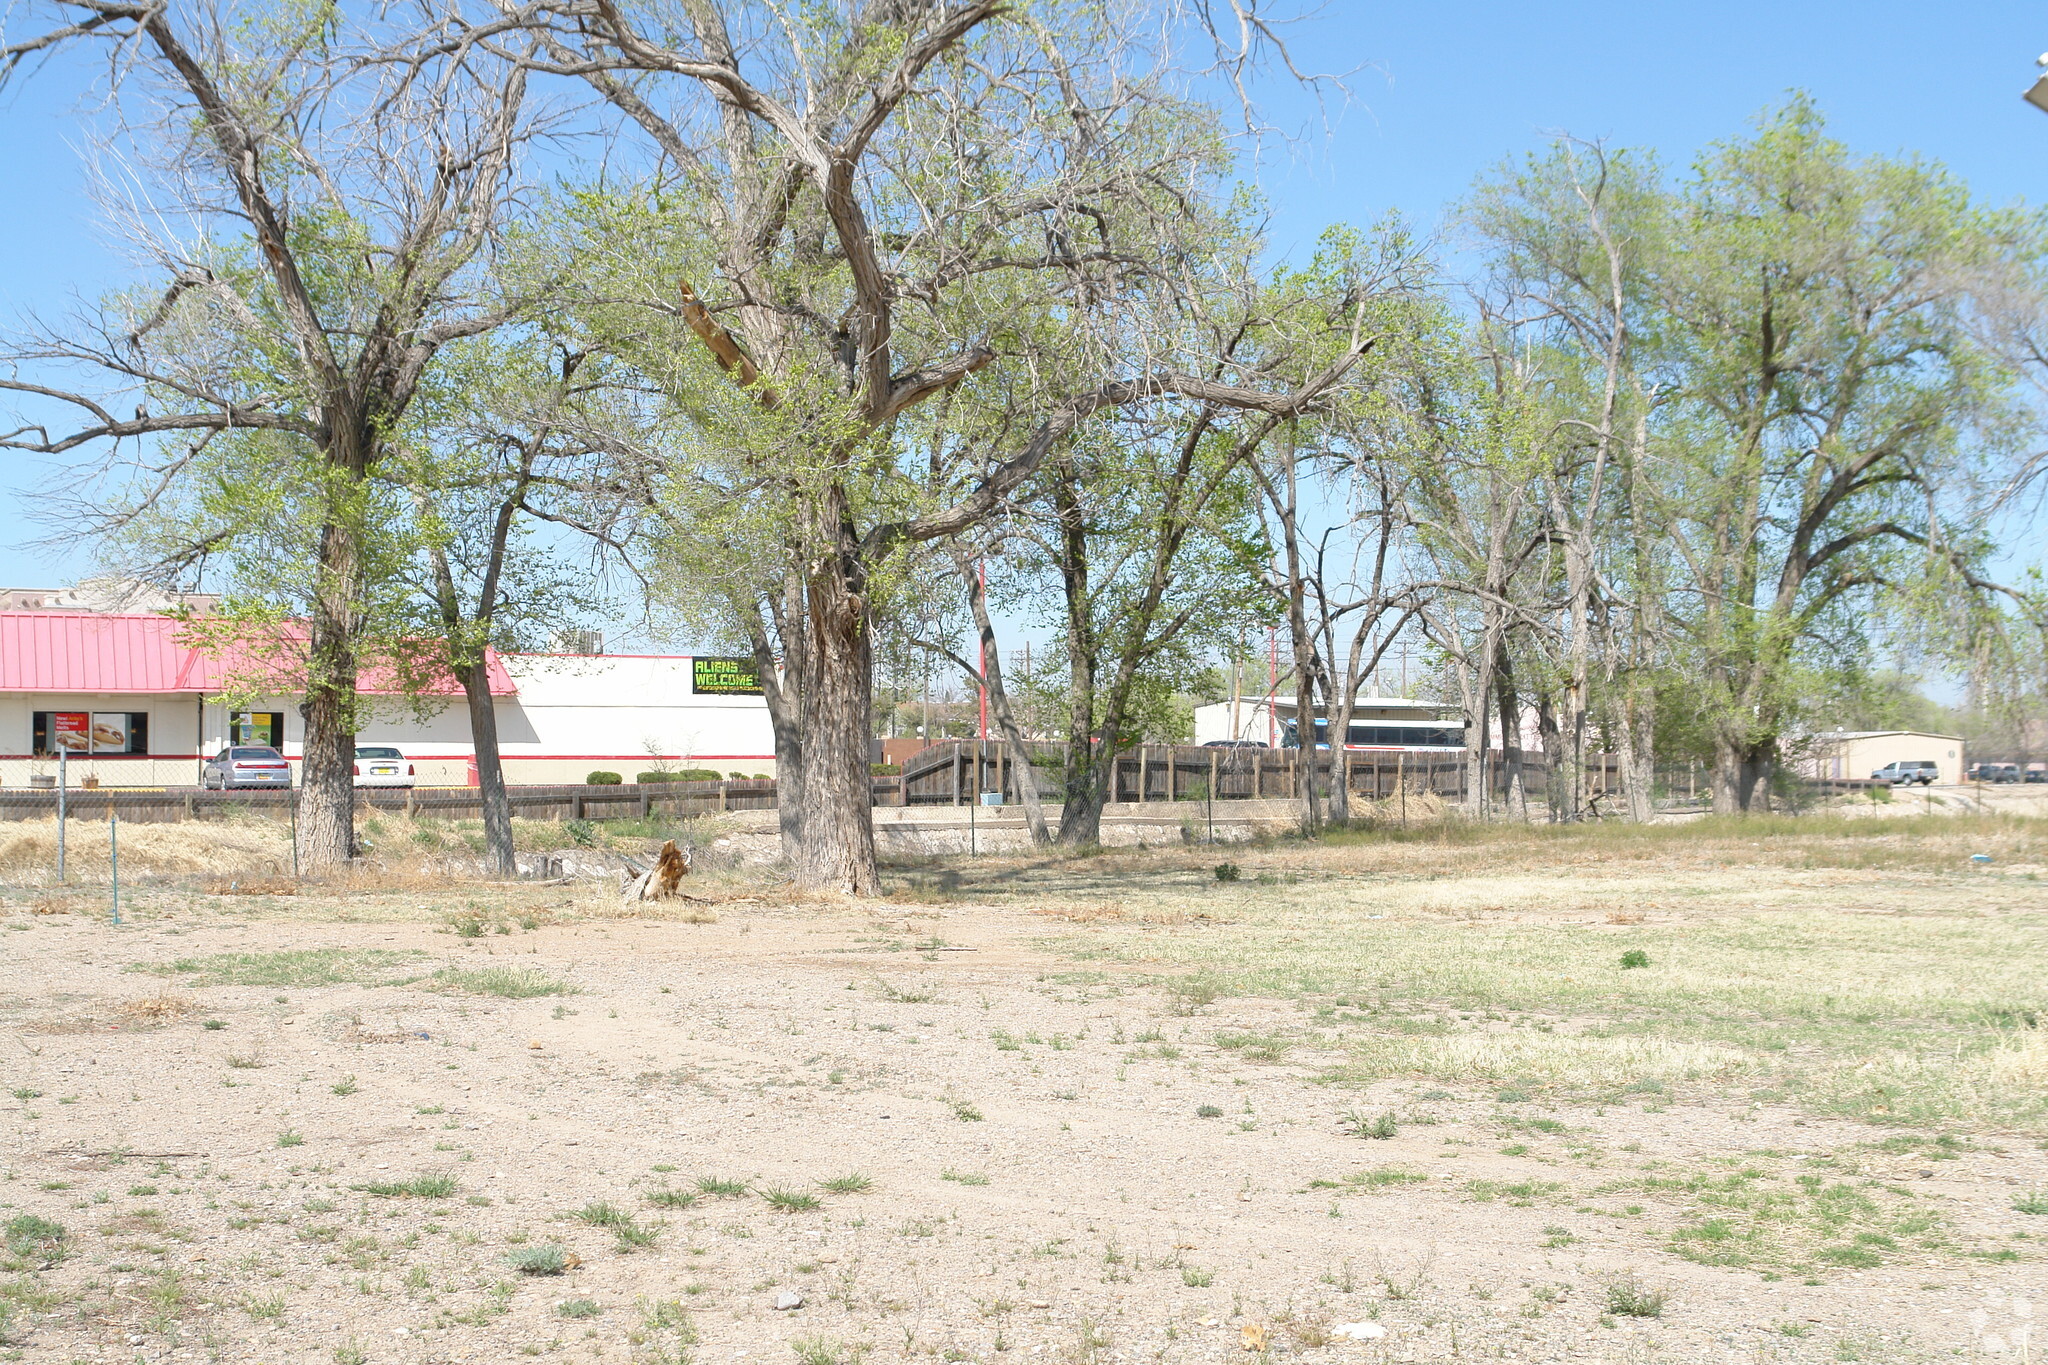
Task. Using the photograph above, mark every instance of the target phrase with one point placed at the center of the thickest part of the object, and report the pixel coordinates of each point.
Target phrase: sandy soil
(1045, 1184)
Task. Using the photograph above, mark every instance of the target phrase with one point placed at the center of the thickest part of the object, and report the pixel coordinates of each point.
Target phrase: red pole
(981, 575)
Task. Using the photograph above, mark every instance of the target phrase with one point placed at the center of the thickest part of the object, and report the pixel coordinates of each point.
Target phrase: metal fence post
(114, 854)
(63, 789)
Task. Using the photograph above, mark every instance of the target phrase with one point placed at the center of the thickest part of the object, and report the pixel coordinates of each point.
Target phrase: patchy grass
(1932, 1014)
(419, 1187)
(509, 983)
(1761, 1215)
(300, 967)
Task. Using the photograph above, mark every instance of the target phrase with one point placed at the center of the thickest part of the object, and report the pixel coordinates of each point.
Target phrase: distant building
(1859, 753)
(1376, 723)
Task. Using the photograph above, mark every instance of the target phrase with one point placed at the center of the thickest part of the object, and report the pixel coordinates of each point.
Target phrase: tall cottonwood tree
(338, 181)
(856, 208)
(1829, 396)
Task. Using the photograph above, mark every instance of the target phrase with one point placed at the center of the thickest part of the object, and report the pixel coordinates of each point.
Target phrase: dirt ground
(1021, 1112)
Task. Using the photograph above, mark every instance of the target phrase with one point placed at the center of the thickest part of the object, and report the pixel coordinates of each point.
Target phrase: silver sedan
(246, 765)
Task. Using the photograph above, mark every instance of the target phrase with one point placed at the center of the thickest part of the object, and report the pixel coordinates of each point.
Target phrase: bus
(1405, 736)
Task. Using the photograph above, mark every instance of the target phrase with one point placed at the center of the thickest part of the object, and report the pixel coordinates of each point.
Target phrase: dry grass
(154, 1011)
(227, 849)
(251, 886)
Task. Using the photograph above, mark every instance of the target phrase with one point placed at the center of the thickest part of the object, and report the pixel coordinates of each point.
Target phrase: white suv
(1921, 770)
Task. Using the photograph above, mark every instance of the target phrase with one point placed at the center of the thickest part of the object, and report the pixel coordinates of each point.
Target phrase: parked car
(246, 765)
(1999, 772)
(2036, 773)
(1236, 744)
(381, 765)
(1921, 770)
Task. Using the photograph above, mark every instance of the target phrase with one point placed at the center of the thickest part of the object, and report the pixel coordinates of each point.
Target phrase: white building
(1859, 753)
(1376, 723)
(133, 704)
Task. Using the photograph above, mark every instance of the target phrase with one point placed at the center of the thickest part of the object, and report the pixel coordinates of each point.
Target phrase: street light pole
(2037, 93)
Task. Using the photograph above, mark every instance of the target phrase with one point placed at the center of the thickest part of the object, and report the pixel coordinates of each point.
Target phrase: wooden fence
(951, 772)
(563, 802)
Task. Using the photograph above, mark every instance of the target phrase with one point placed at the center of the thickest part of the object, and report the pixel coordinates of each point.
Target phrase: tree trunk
(1509, 703)
(1081, 806)
(836, 848)
(1555, 757)
(1731, 794)
(999, 701)
(490, 769)
(1342, 706)
(1305, 738)
(1638, 724)
(783, 694)
(327, 804)
(1476, 795)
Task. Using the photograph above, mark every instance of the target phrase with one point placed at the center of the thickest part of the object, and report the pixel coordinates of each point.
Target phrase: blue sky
(1439, 93)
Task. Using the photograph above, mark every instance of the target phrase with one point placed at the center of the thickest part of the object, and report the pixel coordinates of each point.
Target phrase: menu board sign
(90, 732)
(71, 731)
(724, 677)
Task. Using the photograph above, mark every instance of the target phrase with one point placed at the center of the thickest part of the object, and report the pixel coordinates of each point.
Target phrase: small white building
(132, 704)
(1376, 723)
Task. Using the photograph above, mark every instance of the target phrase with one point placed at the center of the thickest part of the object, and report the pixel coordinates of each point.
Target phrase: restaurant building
(133, 703)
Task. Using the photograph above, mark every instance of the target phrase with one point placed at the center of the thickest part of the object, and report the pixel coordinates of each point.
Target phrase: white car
(381, 765)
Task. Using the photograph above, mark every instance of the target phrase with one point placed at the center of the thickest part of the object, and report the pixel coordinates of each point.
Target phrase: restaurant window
(257, 727)
(89, 732)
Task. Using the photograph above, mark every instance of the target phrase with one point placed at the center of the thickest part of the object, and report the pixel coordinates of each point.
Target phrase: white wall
(1212, 722)
(173, 756)
(572, 716)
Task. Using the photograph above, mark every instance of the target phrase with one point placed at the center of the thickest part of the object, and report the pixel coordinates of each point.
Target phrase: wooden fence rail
(562, 802)
(953, 771)
(948, 773)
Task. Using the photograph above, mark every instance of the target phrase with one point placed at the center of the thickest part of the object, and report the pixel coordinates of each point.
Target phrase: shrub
(1629, 1299)
(699, 775)
(602, 779)
(657, 778)
(886, 769)
(578, 1308)
(1360, 1124)
(1228, 872)
(737, 777)
(541, 1260)
(1208, 1111)
(2031, 1203)
(1634, 957)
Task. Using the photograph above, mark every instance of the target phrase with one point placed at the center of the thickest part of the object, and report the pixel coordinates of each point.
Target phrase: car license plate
(384, 772)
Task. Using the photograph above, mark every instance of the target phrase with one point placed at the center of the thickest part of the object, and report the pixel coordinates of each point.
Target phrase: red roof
(78, 651)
